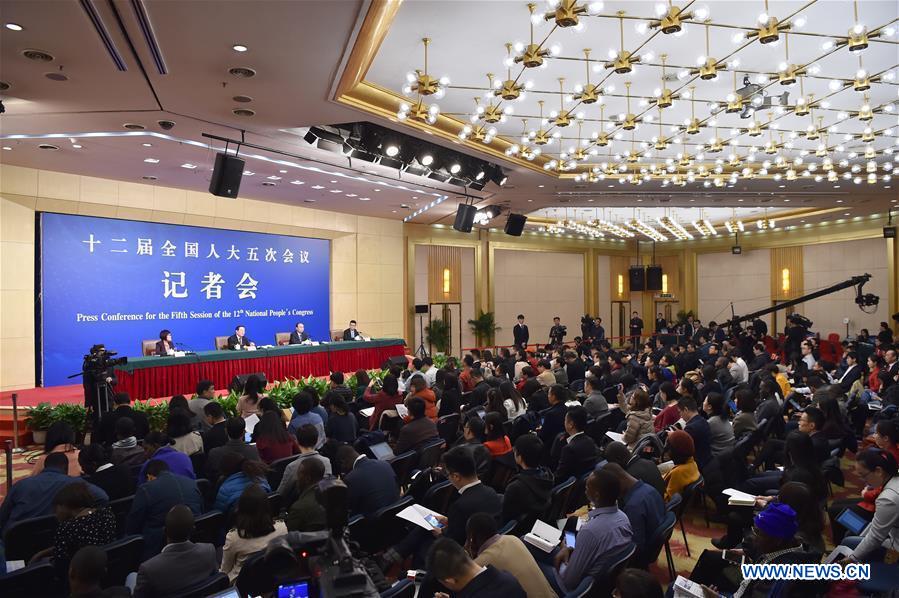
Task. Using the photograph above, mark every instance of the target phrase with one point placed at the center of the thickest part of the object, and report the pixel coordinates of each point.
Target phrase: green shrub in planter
(282, 392)
(39, 417)
(157, 413)
(229, 403)
(73, 414)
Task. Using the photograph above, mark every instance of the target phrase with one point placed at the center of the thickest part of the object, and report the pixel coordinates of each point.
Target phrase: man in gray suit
(236, 428)
(181, 564)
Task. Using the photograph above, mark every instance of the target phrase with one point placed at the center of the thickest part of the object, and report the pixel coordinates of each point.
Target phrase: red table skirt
(169, 380)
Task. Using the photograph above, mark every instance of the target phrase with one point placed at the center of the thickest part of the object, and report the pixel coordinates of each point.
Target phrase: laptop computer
(381, 451)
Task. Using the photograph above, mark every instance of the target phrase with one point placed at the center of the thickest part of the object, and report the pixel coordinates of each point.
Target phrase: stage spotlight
(479, 176)
(455, 168)
(392, 150)
(427, 160)
(498, 176)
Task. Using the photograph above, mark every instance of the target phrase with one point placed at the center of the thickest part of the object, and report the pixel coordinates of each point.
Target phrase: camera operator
(557, 333)
(99, 379)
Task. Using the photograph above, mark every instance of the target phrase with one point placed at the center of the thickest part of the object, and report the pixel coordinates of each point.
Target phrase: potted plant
(157, 413)
(484, 327)
(38, 419)
(73, 414)
(438, 334)
(682, 316)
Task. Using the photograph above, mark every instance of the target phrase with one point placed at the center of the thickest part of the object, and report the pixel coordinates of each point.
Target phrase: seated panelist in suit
(164, 345)
(239, 340)
(299, 335)
(351, 334)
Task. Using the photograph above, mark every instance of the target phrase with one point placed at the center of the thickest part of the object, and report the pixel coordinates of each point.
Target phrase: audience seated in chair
(505, 553)
(116, 480)
(307, 514)
(307, 439)
(86, 573)
(371, 484)
(453, 568)
(125, 450)
(643, 506)
(417, 431)
(254, 527)
(105, 433)
(238, 474)
(157, 447)
(181, 564)
(33, 496)
(679, 446)
(236, 428)
(528, 494)
(154, 499)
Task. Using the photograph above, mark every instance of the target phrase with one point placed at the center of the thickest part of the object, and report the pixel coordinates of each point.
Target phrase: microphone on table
(186, 348)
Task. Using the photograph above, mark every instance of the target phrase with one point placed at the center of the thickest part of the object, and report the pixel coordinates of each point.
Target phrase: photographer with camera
(557, 333)
(99, 379)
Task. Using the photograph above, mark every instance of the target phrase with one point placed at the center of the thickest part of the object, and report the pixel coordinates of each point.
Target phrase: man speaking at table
(351, 334)
(239, 340)
(299, 335)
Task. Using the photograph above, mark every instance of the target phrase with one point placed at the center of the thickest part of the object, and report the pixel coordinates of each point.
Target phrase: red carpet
(29, 397)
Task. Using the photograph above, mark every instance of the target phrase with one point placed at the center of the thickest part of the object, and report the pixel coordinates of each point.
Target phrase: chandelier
(532, 55)
(422, 84)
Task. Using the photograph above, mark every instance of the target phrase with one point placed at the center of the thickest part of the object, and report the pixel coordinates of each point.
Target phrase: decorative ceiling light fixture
(766, 223)
(589, 93)
(858, 36)
(704, 227)
(613, 228)
(692, 126)
(601, 139)
(675, 228)
(769, 28)
(492, 114)
(733, 225)
(629, 119)
(803, 105)
(566, 12)
(644, 229)
(579, 152)
(510, 89)
(523, 150)
(813, 133)
(563, 117)
(533, 55)
(422, 84)
(707, 67)
(866, 113)
(660, 143)
(734, 99)
(663, 97)
(541, 136)
(476, 131)
(622, 62)
(863, 79)
(787, 73)
(671, 18)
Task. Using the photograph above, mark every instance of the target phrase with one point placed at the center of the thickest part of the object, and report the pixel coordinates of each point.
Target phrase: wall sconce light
(664, 283)
(620, 285)
(446, 281)
(785, 280)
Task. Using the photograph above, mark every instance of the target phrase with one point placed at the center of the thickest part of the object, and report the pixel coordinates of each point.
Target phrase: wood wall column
(689, 281)
(483, 273)
(591, 284)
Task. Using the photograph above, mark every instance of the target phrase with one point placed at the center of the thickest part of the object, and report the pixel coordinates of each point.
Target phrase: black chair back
(402, 466)
(215, 584)
(448, 427)
(438, 496)
(576, 386)
(23, 539)
(120, 508)
(209, 527)
(653, 548)
(34, 580)
(207, 491)
(403, 588)
(598, 427)
(123, 557)
(559, 498)
(255, 577)
(198, 460)
(276, 470)
(577, 498)
(429, 454)
(389, 528)
(502, 469)
(275, 504)
(605, 582)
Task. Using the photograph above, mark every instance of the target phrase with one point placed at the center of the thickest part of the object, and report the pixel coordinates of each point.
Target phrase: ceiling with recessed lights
(100, 86)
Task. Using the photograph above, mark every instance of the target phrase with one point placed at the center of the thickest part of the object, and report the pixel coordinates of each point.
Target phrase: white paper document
(543, 536)
(401, 410)
(367, 412)
(420, 516)
(251, 422)
(615, 436)
(684, 588)
(736, 498)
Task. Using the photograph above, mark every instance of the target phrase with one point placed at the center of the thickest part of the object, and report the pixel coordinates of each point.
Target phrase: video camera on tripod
(101, 360)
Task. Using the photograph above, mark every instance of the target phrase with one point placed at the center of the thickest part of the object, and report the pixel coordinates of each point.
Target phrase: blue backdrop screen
(119, 282)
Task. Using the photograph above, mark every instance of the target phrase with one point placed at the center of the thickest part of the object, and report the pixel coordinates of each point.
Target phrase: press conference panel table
(151, 377)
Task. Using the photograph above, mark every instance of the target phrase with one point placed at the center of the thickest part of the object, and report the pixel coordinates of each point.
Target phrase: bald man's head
(179, 524)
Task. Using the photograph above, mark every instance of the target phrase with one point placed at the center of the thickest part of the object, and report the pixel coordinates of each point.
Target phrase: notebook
(543, 536)
(737, 498)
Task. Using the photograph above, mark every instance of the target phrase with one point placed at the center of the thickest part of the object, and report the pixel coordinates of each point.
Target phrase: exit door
(620, 321)
(668, 309)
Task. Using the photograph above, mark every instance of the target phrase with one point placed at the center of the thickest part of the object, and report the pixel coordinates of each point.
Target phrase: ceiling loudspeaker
(464, 218)
(515, 224)
(637, 278)
(226, 175)
(654, 278)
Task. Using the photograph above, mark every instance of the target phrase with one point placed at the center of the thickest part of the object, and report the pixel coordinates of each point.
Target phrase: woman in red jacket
(384, 400)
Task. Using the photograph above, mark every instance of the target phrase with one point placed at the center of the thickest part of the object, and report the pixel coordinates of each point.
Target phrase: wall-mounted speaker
(515, 224)
(637, 278)
(421, 309)
(226, 175)
(654, 278)
(464, 218)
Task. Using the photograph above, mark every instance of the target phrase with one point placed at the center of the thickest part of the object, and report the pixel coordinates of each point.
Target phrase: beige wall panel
(742, 279)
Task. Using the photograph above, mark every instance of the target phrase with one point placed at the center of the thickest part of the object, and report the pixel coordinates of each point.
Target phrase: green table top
(140, 363)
